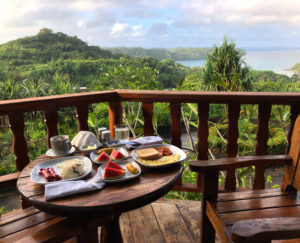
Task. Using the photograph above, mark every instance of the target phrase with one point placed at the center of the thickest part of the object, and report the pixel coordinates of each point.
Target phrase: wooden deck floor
(162, 221)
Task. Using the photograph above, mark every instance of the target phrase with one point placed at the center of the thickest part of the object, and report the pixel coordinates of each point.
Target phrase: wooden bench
(32, 225)
(252, 216)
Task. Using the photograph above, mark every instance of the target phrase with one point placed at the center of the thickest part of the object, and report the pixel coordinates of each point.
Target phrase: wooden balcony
(15, 110)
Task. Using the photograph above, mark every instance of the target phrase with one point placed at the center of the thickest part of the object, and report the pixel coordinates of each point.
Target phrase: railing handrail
(67, 100)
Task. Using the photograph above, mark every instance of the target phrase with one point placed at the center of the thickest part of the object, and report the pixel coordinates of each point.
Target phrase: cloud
(236, 12)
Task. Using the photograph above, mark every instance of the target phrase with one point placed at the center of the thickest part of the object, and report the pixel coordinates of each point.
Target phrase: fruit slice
(117, 155)
(111, 173)
(114, 166)
(103, 157)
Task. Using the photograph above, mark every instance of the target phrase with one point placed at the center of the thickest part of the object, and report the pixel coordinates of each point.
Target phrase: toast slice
(148, 153)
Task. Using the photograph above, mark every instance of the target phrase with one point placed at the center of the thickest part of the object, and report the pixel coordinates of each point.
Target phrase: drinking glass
(121, 132)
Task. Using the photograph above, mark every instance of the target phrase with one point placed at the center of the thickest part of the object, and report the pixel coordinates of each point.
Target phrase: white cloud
(119, 28)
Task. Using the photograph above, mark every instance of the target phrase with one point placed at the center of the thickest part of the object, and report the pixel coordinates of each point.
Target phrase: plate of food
(61, 169)
(158, 156)
(122, 171)
(106, 154)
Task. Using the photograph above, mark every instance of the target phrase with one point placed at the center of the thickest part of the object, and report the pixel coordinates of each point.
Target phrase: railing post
(175, 124)
(20, 148)
(264, 112)
(82, 114)
(51, 120)
(232, 146)
(202, 146)
(115, 115)
(148, 116)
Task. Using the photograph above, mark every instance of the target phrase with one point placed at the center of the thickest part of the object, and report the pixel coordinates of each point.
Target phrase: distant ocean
(277, 61)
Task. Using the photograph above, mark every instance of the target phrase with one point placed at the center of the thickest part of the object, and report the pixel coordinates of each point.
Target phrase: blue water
(277, 61)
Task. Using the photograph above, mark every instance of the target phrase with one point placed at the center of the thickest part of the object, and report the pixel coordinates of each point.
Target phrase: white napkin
(66, 188)
(148, 140)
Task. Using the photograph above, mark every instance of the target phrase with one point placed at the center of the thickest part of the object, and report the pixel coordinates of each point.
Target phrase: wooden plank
(262, 230)
(259, 203)
(148, 115)
(171, 223)
(115, 115)
(51, 120)
(232, 146)
(222, 197)
(24, 223)
(187, 187)
(20, 148)
(217, 224)
(191, 216)
(9, 180)
(82, 113)
(217, 97)
(125, 227)
(231, 218)
(239, 162)
(292, 173)
(144, 225)
(294, 112)
(16, 215)
(264, 112)
(175, 124)
(55, 101)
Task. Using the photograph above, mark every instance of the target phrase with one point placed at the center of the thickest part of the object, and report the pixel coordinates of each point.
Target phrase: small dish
(86, 149)
(39, 179)
(51, 153)
(128, 175)
(174, 150)
(94, 156)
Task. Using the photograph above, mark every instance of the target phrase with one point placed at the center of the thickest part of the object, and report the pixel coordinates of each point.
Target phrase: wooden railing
(15, 110)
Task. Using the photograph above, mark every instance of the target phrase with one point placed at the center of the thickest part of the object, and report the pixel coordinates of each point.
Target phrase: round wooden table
(113, 199)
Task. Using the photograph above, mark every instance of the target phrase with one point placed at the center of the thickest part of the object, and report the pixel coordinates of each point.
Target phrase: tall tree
(226, 70)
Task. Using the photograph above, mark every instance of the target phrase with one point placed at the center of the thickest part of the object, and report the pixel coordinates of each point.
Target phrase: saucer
(51, 153)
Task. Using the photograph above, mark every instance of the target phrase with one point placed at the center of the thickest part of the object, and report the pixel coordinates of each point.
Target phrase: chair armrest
(266, 229)
(238, 162)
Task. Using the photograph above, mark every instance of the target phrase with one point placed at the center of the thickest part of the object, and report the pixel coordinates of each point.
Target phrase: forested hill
(47, 46)
(163, 53)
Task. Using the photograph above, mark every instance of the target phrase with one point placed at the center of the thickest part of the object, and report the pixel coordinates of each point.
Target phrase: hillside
(163, 53)
(47, 46)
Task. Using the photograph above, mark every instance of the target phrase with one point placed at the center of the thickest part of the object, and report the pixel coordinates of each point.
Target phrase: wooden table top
(112, 199)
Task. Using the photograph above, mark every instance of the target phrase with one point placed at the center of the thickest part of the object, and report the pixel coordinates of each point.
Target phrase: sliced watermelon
(114, 166)
(111, 173)
(103, 157)
(117, 155)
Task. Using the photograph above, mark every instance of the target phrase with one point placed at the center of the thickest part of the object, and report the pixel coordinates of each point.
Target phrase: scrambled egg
(71, 168)
(161, 161)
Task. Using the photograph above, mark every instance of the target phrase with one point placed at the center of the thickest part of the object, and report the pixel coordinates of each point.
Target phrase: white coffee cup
(60, 144)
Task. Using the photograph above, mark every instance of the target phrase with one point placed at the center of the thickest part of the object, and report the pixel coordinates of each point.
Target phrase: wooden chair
(251, 216)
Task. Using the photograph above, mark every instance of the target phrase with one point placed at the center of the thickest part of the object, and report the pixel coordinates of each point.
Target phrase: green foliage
(226, 70)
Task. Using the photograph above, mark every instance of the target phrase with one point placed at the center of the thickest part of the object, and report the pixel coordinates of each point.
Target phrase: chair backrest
(292, 173)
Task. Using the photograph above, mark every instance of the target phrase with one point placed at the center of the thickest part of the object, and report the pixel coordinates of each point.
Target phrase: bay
(278, 61)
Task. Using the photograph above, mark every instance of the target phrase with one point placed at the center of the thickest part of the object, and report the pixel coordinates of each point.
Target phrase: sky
(263, 24)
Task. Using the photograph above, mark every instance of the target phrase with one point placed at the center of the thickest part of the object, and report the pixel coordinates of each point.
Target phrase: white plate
(39, 179)
(51, 153)
(174, 150)
(94, 156)
(128, 175)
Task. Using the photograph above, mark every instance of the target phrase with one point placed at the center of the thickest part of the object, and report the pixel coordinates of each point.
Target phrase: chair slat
(82, 113)
(264, 112)
(20, 148)
(175, 124)
(148, 115)
(232, 145)
(51, 120)
(294, 112)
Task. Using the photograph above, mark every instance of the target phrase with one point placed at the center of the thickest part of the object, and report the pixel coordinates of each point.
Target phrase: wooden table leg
(90, 235)
(111, 233)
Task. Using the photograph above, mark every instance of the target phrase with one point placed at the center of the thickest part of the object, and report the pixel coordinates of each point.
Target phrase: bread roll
(148, 153)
